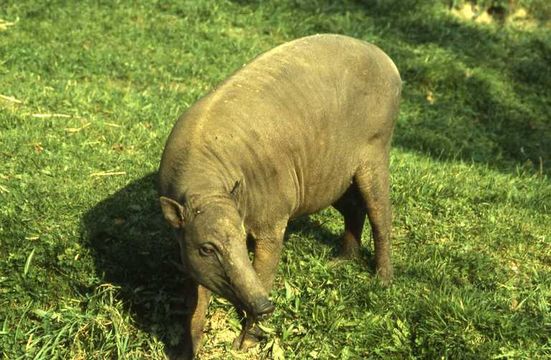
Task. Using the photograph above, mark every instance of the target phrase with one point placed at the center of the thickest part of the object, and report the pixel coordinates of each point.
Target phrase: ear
(173, 212)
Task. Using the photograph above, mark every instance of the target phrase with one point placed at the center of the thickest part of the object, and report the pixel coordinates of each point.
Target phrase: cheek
(207, 273)
(200, 269)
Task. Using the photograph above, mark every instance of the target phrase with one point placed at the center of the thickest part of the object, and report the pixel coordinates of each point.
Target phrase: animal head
(213, 246)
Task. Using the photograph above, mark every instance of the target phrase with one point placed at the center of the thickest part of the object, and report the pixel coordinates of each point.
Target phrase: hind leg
(373, 184)
(352, 208)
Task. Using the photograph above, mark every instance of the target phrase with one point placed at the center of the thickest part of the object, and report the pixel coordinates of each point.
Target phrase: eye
(207, 250)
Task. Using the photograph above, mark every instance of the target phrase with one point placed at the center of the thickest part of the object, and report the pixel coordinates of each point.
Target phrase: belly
(322, 187)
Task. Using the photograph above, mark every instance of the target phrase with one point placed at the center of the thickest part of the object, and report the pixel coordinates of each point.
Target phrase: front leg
(267, 252)
(197, 301)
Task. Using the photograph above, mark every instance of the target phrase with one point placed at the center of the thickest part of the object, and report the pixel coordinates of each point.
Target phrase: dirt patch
(470, 12)
(219, 337)
(518, 17)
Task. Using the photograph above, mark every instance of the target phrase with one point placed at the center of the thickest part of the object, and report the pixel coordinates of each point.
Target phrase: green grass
(87, 265)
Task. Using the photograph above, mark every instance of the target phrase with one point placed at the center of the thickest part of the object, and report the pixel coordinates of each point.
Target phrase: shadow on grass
(134, 249)
(477, 90)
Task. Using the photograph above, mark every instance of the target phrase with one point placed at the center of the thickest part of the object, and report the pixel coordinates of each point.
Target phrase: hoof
(244, 343)
(350, 248)
(385, 275)
(248, 338)
(350, 253)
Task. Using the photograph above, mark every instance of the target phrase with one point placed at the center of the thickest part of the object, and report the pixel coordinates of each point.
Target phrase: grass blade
(28, 263)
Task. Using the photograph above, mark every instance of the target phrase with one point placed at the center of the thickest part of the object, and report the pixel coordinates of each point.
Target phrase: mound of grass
(88, 93)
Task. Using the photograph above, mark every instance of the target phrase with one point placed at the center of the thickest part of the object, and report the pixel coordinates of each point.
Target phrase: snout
(262, 307)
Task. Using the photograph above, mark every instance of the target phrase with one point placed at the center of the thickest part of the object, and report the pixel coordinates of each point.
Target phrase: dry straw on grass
(9, 98)
(4, 24)
(107, 173)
